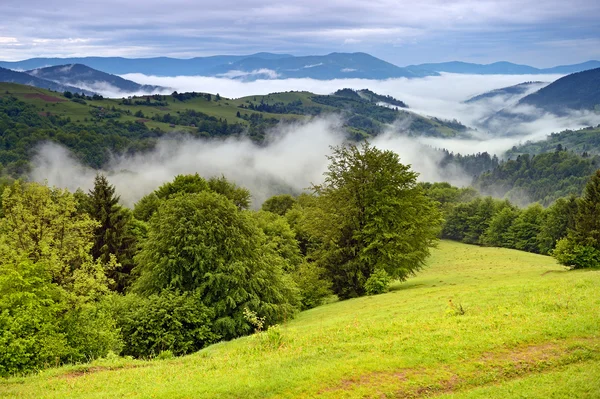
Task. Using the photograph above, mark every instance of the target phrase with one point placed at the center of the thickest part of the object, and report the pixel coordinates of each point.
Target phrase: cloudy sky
(402, 32)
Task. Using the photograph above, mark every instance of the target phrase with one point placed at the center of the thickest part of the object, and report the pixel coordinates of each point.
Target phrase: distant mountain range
(10, 76)
(80, 75)
(284, 66)
(503, 68)
(251, 67)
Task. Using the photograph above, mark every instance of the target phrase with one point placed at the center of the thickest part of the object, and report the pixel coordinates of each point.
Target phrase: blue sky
(403, 32)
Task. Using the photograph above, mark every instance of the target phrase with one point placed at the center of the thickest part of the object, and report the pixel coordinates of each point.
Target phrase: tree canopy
(378, 218)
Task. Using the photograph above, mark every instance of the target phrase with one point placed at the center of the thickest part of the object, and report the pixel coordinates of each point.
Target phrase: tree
(376, 218)
(559, 220)
(203, 243)
(587, 222)
(50, 287)
(498, 233)
(279, 204)
(525, 228)
(188, 184)
(112, 236)
(581, 247)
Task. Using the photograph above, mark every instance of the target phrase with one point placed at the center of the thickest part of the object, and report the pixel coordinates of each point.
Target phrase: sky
(402, 32)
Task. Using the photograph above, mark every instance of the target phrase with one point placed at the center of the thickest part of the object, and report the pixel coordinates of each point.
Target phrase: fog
(295, 155)
(294, 158)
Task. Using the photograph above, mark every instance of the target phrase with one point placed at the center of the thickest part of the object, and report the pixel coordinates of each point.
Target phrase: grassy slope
(531, 329)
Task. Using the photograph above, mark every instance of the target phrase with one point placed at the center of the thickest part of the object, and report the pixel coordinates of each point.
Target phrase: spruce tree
(587, 224)
(112, 236)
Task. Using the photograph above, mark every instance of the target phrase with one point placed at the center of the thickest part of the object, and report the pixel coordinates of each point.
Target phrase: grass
(529, 329)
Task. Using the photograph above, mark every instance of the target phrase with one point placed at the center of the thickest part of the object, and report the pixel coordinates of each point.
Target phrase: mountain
(507, 93)
(503, 68)
(10, 76)
(331, 66)
(79, 75)
(255, 66)
(578, 91)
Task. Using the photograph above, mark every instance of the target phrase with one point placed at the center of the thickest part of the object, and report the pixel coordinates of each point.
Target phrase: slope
(503, 68)
(578, 91)
(507, 93)
(477, 322)
(80, 75)
(10, 76)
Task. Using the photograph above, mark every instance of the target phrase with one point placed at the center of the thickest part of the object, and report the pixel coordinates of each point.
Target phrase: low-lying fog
(296, 154)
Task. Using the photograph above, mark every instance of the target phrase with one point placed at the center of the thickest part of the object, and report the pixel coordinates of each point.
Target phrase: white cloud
(263, 72)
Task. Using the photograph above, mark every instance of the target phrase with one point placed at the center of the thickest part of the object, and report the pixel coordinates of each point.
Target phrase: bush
(577, 256)
(378, 282)
(313, 285)
(173, 322)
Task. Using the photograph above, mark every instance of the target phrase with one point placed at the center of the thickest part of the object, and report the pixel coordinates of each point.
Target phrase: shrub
(313, 285)
(377, 283)
(577, 256)
(173, 322)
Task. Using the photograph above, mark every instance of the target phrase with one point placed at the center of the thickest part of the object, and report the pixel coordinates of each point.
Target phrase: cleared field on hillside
(476, 323)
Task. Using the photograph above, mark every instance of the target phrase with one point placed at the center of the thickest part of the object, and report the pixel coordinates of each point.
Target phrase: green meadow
(475, 323)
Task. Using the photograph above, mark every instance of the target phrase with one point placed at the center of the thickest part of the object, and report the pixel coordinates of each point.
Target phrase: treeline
(190, 265)
(539, 178)
(569, 229)
(22, 128)
(585, 142)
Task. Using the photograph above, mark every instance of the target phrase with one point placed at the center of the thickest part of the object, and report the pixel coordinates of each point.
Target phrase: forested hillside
(94, 127)
(538, 178)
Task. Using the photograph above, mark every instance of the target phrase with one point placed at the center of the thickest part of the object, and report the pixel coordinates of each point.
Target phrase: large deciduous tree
(203, 243)
(377, 218)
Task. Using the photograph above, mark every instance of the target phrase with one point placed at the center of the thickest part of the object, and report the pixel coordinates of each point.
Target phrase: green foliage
(173, 322)
(190, 184)
(581, 248)
(312, 283)
(240, 196)
(570, 253)
(559, 219)
(376, 218)
(377, 283)
(498, 233)
(51, 290)
(279, 204)
(113, 235)
(526, 227)
(541, 178)
(204, 243)
(280, 237)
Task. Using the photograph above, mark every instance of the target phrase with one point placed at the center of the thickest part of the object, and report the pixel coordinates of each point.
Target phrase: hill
(331, 66)
(503, 68)
(80, 75)
(539, 178)
(578, 91)
(584, 141)
(476, 323)
(260, 65)
(507, 93)
(95, 127)
(10, 76)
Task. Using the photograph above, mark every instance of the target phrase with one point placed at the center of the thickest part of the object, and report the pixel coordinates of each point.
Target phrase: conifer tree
(112, 236)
